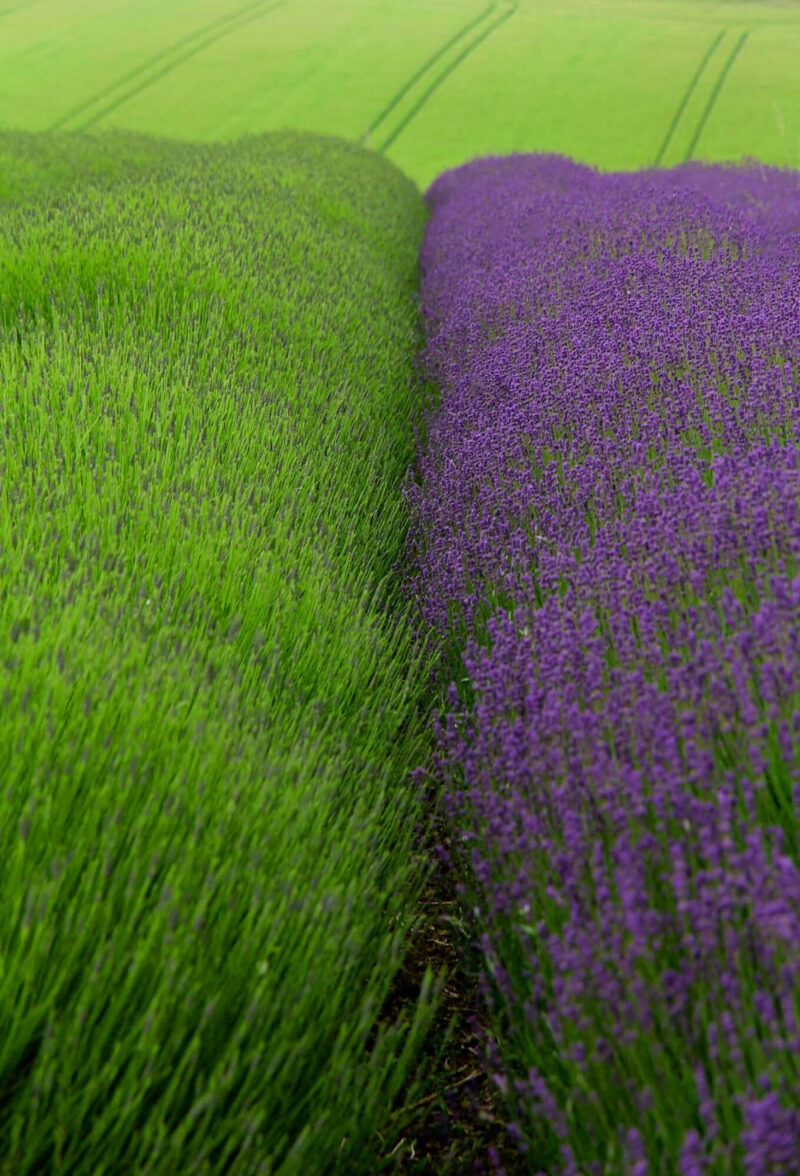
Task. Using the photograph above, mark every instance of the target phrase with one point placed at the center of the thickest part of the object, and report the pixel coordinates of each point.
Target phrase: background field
(617, 84)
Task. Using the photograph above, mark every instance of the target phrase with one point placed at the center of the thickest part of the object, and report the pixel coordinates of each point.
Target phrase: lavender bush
(605, 536)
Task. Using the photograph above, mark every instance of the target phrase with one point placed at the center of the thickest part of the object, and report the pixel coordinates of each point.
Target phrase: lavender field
(399, 588)
(605, 537)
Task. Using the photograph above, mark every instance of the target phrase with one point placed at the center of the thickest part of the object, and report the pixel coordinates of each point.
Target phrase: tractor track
(443, 77)
(715, 94)
(217, 30)
(687, 95)
(424, 69)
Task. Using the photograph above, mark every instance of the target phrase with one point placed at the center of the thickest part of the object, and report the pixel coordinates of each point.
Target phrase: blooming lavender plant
(605, 531)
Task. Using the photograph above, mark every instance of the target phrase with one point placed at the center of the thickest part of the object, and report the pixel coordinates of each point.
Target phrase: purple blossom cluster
(605, 530)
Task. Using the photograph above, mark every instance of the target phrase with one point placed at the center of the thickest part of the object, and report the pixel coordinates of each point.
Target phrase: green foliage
(210, 699)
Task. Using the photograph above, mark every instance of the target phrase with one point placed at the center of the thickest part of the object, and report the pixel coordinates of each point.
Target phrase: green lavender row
(210, 698)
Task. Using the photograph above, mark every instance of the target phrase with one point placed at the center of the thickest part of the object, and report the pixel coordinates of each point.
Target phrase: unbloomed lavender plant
(605, 528)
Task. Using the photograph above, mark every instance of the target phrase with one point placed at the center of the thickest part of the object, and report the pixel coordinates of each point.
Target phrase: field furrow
(420, 73)
(690, 150)
(442, 78)
(197, 44)
(686, 96)
(190, 39)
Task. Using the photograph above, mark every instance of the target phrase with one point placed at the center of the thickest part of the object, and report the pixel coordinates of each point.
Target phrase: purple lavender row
(606, 526)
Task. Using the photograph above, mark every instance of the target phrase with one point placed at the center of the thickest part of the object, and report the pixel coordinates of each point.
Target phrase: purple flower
(605, 535)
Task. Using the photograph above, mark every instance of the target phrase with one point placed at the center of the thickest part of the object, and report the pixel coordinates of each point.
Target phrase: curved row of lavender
(606, 526)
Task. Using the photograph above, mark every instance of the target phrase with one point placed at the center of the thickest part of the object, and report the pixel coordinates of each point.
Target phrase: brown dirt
(462, 1120)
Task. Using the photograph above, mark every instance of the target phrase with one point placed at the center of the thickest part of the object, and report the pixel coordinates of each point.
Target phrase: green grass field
(613, 83)
(211, 700)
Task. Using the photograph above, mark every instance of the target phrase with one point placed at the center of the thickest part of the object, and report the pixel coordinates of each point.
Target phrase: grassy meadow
(215, 698)
(621, 84)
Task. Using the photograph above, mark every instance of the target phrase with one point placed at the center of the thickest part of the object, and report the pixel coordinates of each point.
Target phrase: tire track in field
(423, 69)
(443, 77)
(715, 94)
(261, 10)
(216, 30)
(687, 96)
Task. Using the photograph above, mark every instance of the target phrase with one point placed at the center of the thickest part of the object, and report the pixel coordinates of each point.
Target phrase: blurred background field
(620, 84)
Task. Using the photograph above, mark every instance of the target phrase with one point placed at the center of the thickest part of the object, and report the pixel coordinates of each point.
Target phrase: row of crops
(605, 532)
(210, 700)
(314, 491)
